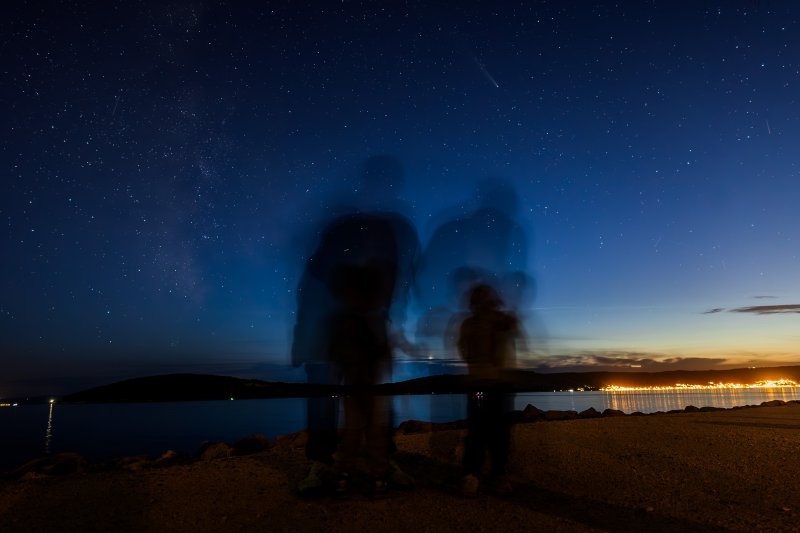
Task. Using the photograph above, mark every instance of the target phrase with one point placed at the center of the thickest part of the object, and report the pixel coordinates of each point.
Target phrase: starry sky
(165, 166)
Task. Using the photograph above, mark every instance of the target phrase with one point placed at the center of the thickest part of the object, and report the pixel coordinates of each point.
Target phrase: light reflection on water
(652, 401)
(48, 434)
(448, 407)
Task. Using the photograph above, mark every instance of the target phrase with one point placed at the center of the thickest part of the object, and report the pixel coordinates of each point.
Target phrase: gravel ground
(725, 470)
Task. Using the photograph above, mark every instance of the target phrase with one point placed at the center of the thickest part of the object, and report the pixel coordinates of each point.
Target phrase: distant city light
(765, 384)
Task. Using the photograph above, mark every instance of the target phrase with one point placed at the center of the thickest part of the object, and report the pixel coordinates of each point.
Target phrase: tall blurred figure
(485, 245)
(350, 315)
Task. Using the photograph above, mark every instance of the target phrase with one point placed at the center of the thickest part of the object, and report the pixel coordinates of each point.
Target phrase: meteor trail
(486, 73)
(116, 103)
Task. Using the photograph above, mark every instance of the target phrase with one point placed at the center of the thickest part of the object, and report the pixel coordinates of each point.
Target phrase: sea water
(103, 431)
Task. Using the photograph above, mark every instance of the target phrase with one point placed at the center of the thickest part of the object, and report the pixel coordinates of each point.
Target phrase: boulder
(590, 413)
(532, 412)
(560, 415)
(210, 451)
(171, 458)
(612, 412)
(691, 409)
(773, 403)
(414, 426)
(60, 464)
(251, 444)
(133, 463)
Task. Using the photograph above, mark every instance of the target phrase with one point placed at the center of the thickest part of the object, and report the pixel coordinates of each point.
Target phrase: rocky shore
(693, 469)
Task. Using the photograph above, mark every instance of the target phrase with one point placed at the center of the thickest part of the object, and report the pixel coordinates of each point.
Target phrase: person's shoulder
(469, 321)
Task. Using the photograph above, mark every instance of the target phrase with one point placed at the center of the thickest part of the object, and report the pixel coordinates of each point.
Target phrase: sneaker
(312, 486)
(398, 478)
(379, 488)
(469, 486)
(341, 486)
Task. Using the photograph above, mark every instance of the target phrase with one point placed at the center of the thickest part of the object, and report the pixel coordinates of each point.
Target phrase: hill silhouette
(186, 387)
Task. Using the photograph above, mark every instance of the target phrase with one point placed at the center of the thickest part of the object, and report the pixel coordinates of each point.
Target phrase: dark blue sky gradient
(165, 165)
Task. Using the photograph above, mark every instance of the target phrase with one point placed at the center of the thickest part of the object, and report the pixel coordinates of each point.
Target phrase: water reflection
(652, 401)
(48, 434)
(129, 429)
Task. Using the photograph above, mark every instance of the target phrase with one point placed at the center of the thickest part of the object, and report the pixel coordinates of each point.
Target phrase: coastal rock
(251, 444)
(532, 413)
(691, 409)
(590, 413)
(708, 408)
(95, 468)
(60, 464)
(134, 463)
(612, 412)
(639, 413)
(414, 426)
(298, 439)
(560, 415)
(171, 458)
(210, 451)
(773, 403)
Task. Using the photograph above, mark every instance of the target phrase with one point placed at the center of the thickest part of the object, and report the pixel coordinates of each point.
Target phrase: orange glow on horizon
(764, 384)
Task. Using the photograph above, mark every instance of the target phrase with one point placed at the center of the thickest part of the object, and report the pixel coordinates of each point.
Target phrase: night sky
(166, 167)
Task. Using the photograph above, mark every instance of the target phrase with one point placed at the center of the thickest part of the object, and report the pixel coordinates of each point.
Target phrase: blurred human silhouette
(487, 245)
(487, 343)
(350, 314)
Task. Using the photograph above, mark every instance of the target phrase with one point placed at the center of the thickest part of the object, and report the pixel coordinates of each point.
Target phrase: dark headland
(188, 387)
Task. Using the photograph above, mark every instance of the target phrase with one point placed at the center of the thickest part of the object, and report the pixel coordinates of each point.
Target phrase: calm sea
(104, 431)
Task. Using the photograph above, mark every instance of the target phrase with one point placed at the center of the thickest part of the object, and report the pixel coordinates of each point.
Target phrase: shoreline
(732, 469)
(75, 462)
